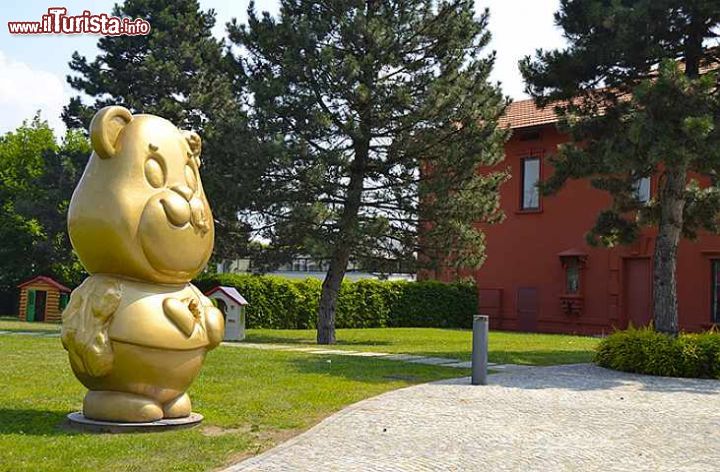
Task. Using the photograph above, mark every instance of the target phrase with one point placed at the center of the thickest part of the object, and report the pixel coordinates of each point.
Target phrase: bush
(282, 303)
(366, 303)
(433, 304)
(645, 351)
(273, 302)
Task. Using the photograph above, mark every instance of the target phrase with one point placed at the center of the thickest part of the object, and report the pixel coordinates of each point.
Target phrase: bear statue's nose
(183, 190)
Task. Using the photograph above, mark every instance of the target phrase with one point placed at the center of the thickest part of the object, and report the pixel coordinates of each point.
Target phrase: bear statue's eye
(190, 177)
(154, 173)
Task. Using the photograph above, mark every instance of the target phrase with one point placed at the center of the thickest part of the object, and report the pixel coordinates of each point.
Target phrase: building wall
(523, 272)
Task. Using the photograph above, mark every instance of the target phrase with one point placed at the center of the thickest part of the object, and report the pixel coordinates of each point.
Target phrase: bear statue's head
(139, 210)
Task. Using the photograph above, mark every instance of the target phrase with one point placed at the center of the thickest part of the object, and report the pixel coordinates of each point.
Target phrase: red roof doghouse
(42, 299)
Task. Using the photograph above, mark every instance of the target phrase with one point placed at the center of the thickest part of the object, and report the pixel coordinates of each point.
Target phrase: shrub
(366, 303)
(434, 304)
(273, 302)
(282, 303)
(645, 351)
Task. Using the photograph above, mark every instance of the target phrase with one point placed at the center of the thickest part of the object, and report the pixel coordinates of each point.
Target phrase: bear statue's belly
(155, 373)
(141, 320)
(151, 356)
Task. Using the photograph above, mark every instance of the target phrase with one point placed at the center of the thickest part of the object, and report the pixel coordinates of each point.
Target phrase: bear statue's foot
(121, 407)
(178, 408)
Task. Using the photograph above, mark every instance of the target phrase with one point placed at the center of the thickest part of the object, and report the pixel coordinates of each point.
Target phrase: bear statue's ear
(105, 128)
(195, 143)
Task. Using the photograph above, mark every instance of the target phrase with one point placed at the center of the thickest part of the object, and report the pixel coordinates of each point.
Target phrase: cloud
(24, 91)
(518, 29)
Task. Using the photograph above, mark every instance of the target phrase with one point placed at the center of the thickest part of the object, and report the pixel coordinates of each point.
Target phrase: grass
(251, 399)
(12, 323)
(504, 347)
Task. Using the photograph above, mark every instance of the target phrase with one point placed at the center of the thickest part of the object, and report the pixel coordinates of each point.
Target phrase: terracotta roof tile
(524, 113)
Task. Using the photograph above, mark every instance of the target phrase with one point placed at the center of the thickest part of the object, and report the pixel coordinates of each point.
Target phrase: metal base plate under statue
(80, 422)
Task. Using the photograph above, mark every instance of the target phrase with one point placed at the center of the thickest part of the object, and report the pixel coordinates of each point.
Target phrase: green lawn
(251, 399)
(504, 347)
(11, 323)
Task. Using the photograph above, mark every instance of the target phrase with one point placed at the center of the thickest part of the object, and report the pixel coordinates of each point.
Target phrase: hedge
(282, 303)
(646, 351)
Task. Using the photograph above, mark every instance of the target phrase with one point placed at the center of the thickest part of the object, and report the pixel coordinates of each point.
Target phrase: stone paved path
(562, 418)
(41, 334)
(440, 361)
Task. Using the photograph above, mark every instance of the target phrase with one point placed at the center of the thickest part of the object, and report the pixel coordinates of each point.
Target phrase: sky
(33, 67)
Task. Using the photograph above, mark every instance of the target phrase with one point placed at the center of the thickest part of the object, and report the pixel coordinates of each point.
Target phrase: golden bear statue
(136, 330)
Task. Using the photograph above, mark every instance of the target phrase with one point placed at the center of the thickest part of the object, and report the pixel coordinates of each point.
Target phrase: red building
(541, 275)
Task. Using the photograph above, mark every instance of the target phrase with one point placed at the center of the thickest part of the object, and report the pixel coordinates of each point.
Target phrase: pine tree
(377, 115)
(637, 91)
(180, 72)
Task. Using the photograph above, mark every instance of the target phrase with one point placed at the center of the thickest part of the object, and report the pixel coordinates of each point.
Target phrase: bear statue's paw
(215, 325)
(121, 407)
(178, 408)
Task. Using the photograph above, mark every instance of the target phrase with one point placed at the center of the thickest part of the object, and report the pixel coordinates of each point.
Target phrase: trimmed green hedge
(282, 303)
(645, 351)
(433, 304)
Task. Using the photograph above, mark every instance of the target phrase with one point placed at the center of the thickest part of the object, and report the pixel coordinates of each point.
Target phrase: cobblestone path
(562, 418)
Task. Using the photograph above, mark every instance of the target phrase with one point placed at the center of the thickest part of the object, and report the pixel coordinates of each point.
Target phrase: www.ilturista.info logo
(57, 21)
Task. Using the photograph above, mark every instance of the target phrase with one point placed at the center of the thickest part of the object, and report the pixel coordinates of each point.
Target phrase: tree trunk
(329, 296)
(672, 205)
(672, 202)
(341, 254)
(348, 224)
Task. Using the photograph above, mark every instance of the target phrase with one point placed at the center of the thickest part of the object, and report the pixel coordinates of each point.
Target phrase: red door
(527, 308)
(638, 291)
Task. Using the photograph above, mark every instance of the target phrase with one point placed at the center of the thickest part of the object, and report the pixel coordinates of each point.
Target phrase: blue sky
(33, 68)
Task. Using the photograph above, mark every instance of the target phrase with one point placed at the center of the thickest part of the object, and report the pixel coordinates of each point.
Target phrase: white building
(303, 267)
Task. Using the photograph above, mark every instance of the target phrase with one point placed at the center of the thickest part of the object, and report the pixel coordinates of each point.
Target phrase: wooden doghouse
(42, 299)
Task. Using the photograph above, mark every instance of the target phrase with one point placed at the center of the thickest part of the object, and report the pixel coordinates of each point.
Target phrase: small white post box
(232, 305)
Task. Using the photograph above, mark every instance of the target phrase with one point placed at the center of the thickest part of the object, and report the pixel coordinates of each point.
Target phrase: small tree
(637, 91)
(369, 109)
(180, 72)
